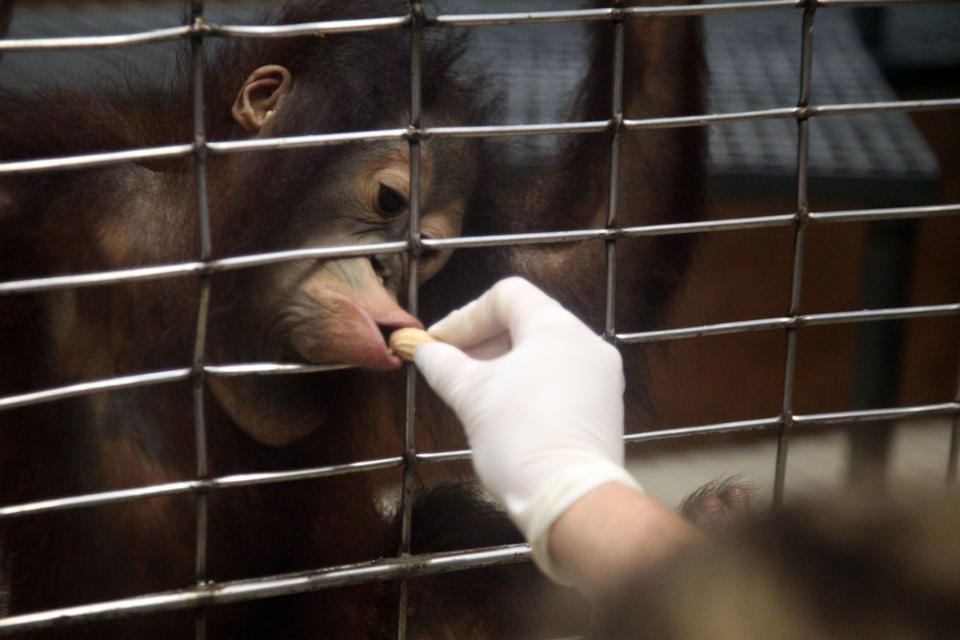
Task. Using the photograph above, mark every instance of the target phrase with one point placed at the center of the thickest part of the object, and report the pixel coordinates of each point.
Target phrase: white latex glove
(540, 397)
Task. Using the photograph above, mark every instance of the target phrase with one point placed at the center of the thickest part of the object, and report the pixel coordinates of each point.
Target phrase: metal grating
(754, 61)
(753, 58)
(805, 109)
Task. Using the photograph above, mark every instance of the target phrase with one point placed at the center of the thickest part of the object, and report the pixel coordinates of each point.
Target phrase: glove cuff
(553, 499)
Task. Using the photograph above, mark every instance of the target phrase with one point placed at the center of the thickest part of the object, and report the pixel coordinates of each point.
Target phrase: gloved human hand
(540, 397)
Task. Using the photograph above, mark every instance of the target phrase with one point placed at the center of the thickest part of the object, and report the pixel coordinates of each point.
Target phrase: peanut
(404, 341)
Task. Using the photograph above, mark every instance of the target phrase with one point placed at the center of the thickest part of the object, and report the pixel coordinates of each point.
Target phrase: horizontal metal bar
(33, 285)
(682, 432)
(849, 109)
(872, 315)
(86, 161)
(269, 369)
(328, 27)
(93, 42)
(267, 478)
(812, 319)
(592, 15)
(93, 386)
(256, 479)
(110, 610)
(891, 213)
(590, 126)
(721, 328)
(739, 7)
(792, 112)
(97, 499)
(305, 141)
(536, 237)
(377, 571)
(310, 253)
(91, 160)
(211, 594)
(161, 377)
(392, 22)
(662, 335)
(711, 8)
(703, 226)
(711, 119)
(445, 456)
(604, 14)
(207, 29)
(507, 130)
(839, 417)
(876, 3)
(274, 477)
(190, 486)
(525, 17)
(869, 415)
(778, 113)
(580, 235)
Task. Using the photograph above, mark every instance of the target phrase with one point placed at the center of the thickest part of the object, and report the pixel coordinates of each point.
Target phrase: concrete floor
(816, 463)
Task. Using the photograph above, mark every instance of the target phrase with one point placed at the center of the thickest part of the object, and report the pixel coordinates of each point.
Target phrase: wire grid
(204, 593)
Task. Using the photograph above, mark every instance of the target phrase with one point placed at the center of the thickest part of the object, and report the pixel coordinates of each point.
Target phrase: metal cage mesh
(197, 31)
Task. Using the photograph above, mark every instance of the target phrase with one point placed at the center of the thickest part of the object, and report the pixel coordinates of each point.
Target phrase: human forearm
(612, 534)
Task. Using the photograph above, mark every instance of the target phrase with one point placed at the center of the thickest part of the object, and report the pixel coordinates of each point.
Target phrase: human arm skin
(614, 534)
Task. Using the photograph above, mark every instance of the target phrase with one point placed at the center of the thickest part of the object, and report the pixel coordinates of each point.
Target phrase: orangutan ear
(257, 101)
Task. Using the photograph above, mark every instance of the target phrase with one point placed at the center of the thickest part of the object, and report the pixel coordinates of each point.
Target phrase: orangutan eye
(389, 202)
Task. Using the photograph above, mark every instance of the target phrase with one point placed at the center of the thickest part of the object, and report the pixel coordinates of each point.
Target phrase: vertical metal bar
(410, 371)
(614, 204)
(887, 273)
(803, 210)
(203, 303)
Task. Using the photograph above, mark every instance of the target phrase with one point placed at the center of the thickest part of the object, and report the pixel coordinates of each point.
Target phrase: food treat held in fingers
(404, 341)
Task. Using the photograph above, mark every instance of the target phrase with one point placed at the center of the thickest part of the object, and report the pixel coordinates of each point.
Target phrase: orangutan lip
(369, 349)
